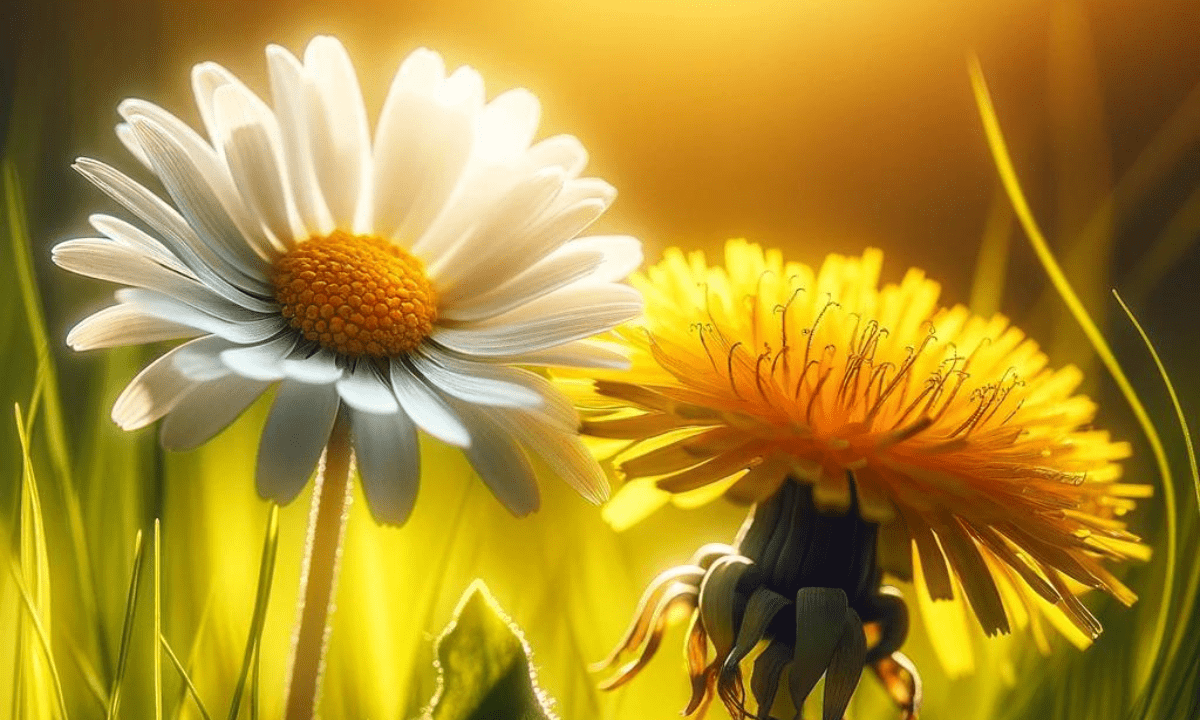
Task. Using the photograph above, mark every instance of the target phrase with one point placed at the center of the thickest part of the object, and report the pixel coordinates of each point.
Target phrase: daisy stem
(319, 573)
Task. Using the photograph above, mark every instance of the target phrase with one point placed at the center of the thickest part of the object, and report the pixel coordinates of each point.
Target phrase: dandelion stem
(318, 577)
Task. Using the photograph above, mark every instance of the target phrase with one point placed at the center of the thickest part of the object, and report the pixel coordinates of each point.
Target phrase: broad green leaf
(485, 667)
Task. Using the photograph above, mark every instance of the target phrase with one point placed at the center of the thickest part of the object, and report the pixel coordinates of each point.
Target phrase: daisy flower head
(947, 431)
(390, 280)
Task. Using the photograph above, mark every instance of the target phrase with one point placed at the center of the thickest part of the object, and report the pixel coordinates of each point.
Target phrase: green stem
(318, 579)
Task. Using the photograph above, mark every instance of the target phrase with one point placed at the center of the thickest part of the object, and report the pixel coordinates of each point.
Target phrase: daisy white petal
(263, 362)
(363, 389)
(249, 143)
(554, 271)
(121, 325)
(508, 125)
(292, 92)
(341, 145)
(538, 237)
(519, 208)
(426, 406)
(476, 382)
(500, 461)
(108, 260)
(297, 428)
(563, 453)
(197, 196)
(562, 151)
(240, 326)
(389, 462)
(130, 141)
(598, 259)
(206, 409)
(175, 232)
(159, 386)
(207, 79)
(208, 164)
(122, 232)
(578, 354)
(421, 147)
(622, 255)
(553, 406)
(388, 281)
(318, 367)
(572, 313)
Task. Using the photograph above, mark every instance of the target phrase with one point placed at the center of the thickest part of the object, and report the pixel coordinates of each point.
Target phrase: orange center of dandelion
(356, 295)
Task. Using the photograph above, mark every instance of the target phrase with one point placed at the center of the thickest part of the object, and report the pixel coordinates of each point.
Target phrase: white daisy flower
(397, 280)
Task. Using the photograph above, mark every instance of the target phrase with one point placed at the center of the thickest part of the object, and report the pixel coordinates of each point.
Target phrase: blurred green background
(816, 126)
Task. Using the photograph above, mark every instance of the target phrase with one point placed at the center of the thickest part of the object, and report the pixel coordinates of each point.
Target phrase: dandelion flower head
(976, 458)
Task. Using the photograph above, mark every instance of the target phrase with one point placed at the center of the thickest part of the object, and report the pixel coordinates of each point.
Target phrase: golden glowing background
(813, 125)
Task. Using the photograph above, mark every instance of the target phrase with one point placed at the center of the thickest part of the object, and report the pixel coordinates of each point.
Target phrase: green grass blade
(91, 678)
(1166, 378)
(255, 674)
(991, 264)
(56, 434)
(157, 618)
(194, 651)
(189, 686)
(35, 317)
(1016, 196)
(266, 572)
(1165, 253)
(18, 668)
(35, 568)
(114, 692)
(43, 638)
(1188, 597)
(34, 586)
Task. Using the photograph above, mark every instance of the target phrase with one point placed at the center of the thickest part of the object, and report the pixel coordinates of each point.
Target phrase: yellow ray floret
(952, 426)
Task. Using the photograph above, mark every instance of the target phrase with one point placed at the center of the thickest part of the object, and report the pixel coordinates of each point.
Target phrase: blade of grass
(189, 686)
(18, 670)
(1189, 595)
(1178, 407)
(157, 618)
(254, 684)
(34, 560)
(991, 265)
(114, 693)
(43, 637)
(266, 573)
(35, 400)
(35, 566)
(194, 651)
(56, 434)
(1016, 196)
(88, 671)
(1173, 243)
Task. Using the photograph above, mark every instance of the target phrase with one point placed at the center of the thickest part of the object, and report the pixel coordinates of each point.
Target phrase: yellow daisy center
(356, 295)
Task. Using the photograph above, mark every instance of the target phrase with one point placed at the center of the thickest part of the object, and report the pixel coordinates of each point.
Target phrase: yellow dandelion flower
(947, 430)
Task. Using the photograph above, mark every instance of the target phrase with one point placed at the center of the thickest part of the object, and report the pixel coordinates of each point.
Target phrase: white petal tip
(389, 519)
(128, 107)
(620, 364)
(423, 55)
(597, 495)
(462, 441)
(127, 424)
(201, 68)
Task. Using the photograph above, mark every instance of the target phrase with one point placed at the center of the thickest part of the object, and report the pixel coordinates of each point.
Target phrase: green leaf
(484, 665)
